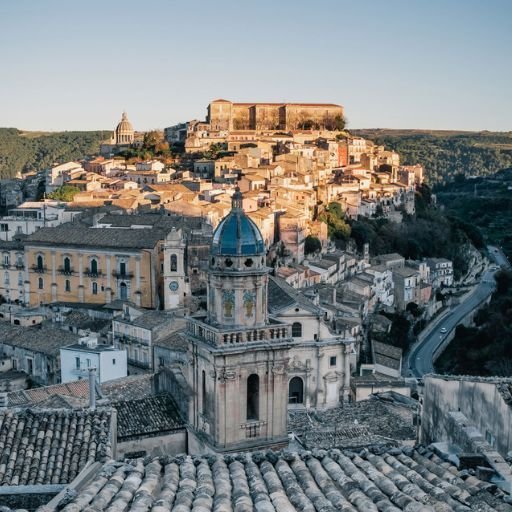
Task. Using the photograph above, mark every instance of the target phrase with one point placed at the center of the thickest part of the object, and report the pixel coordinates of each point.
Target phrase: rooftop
(40, 446)
(319, 481)
(153, 414)
(77, 235)
(46, 340)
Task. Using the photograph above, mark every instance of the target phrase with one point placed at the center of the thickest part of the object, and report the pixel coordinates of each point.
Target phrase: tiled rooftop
(46, 340)
(28, 397)
(154, 414)
(319, 481)
(51, 446)
(76, 235)
(355, 425)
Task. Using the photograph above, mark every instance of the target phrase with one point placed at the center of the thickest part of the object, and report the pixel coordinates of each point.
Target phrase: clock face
(173, 286)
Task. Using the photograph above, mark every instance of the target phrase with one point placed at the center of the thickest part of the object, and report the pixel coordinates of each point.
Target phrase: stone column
(346, 376)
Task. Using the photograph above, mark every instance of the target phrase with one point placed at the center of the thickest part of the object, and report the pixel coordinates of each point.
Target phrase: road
(419, 361)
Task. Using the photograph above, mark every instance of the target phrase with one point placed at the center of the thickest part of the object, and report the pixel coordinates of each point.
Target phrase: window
(332, 361)
(297, 330)
(122, 268)
(88, 363)
(68, 285)
(174, 263)
(95, 288)
(67, 265)
(30, 366)
(6, 259)
(77, 363)
(253, 397)
(161, 361)
(123, 291)
(4, 227)
(40, 262)
(6, 277)
(296, 391)
(40, 283)
(204, 395)
(114, 362)
(20, 279)
(94, 266)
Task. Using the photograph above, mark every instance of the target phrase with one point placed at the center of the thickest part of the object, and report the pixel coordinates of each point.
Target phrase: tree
(65, 193)
(312, 244)
(334, 217)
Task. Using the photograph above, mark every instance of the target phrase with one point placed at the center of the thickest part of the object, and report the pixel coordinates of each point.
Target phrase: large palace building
(226, 115)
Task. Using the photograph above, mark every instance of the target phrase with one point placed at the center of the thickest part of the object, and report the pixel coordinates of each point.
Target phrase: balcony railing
(39, 270)
(66, 271)
(88, 272)
(122, 275)
(20, 265)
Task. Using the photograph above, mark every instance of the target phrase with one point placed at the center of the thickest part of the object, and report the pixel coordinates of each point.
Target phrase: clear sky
(76, 64)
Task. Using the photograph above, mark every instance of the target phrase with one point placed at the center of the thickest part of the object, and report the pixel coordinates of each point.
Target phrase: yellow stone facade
(226, 115)
(92, 275)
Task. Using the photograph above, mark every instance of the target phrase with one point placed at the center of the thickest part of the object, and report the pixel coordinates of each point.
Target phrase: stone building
(235, 356)
(226, 115)
(73, 263)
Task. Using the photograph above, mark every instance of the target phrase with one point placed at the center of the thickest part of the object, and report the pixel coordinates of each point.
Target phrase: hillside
(25, 151)
(444, 154)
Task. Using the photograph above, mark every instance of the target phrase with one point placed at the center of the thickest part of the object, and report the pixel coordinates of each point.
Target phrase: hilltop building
(226, 115)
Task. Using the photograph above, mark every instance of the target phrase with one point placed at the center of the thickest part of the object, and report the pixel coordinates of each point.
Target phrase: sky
(426, 64)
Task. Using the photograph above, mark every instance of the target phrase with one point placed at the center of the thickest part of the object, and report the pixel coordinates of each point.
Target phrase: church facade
(259, 349)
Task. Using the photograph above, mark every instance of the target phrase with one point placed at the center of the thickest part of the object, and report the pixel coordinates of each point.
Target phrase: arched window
(205, 405)
(95, 288)
(123, 292)
(68, 285)
(67, 264)
(39, 262)
(6, 277)
(253, 397)
(94, 266)
(297, 330)
(296, 391)
(40, 283)
(174, 263)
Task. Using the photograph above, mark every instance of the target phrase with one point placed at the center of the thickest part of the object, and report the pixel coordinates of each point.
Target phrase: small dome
(237, 234)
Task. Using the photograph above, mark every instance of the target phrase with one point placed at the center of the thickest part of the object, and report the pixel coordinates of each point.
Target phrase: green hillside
(444, 154)
(26, 151)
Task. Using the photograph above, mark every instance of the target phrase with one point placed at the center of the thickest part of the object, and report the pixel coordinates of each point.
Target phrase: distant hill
(446, 153)
(22, 151)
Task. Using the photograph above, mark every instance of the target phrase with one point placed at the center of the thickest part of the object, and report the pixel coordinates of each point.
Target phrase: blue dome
(237, 234)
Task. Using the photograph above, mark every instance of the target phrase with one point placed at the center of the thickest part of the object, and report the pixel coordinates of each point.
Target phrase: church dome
(124, 130)
(237, 234)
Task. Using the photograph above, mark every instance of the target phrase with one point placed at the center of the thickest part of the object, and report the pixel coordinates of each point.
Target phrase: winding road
(420, 359)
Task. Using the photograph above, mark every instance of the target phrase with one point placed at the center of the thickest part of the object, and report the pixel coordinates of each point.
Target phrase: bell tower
(176, 285)
(240, 354)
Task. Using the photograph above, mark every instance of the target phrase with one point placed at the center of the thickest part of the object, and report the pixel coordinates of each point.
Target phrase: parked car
(444, 329)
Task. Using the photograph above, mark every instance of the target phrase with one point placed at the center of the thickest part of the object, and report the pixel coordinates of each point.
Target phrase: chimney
(92, 388)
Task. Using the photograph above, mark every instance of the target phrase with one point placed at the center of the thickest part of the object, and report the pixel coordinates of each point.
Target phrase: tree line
(22, 152)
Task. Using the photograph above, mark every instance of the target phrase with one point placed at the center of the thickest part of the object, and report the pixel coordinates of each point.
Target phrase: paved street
(419, 361)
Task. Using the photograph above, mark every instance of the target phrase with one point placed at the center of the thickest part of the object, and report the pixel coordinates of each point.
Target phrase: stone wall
(477, 399)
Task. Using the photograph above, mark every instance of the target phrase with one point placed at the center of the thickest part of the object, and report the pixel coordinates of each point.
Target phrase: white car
(444, 329)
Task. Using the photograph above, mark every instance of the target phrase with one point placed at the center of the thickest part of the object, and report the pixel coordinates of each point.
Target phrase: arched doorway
(123, 292)
(296, 391)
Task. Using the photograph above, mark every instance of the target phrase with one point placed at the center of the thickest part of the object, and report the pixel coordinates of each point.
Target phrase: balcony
(89, 273)
(65, 271)
(39, 270)
(20, 265)
(122, 275)
(6, 265)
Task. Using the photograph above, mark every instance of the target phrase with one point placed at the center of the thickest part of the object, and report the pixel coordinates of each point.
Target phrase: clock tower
(176, 285)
